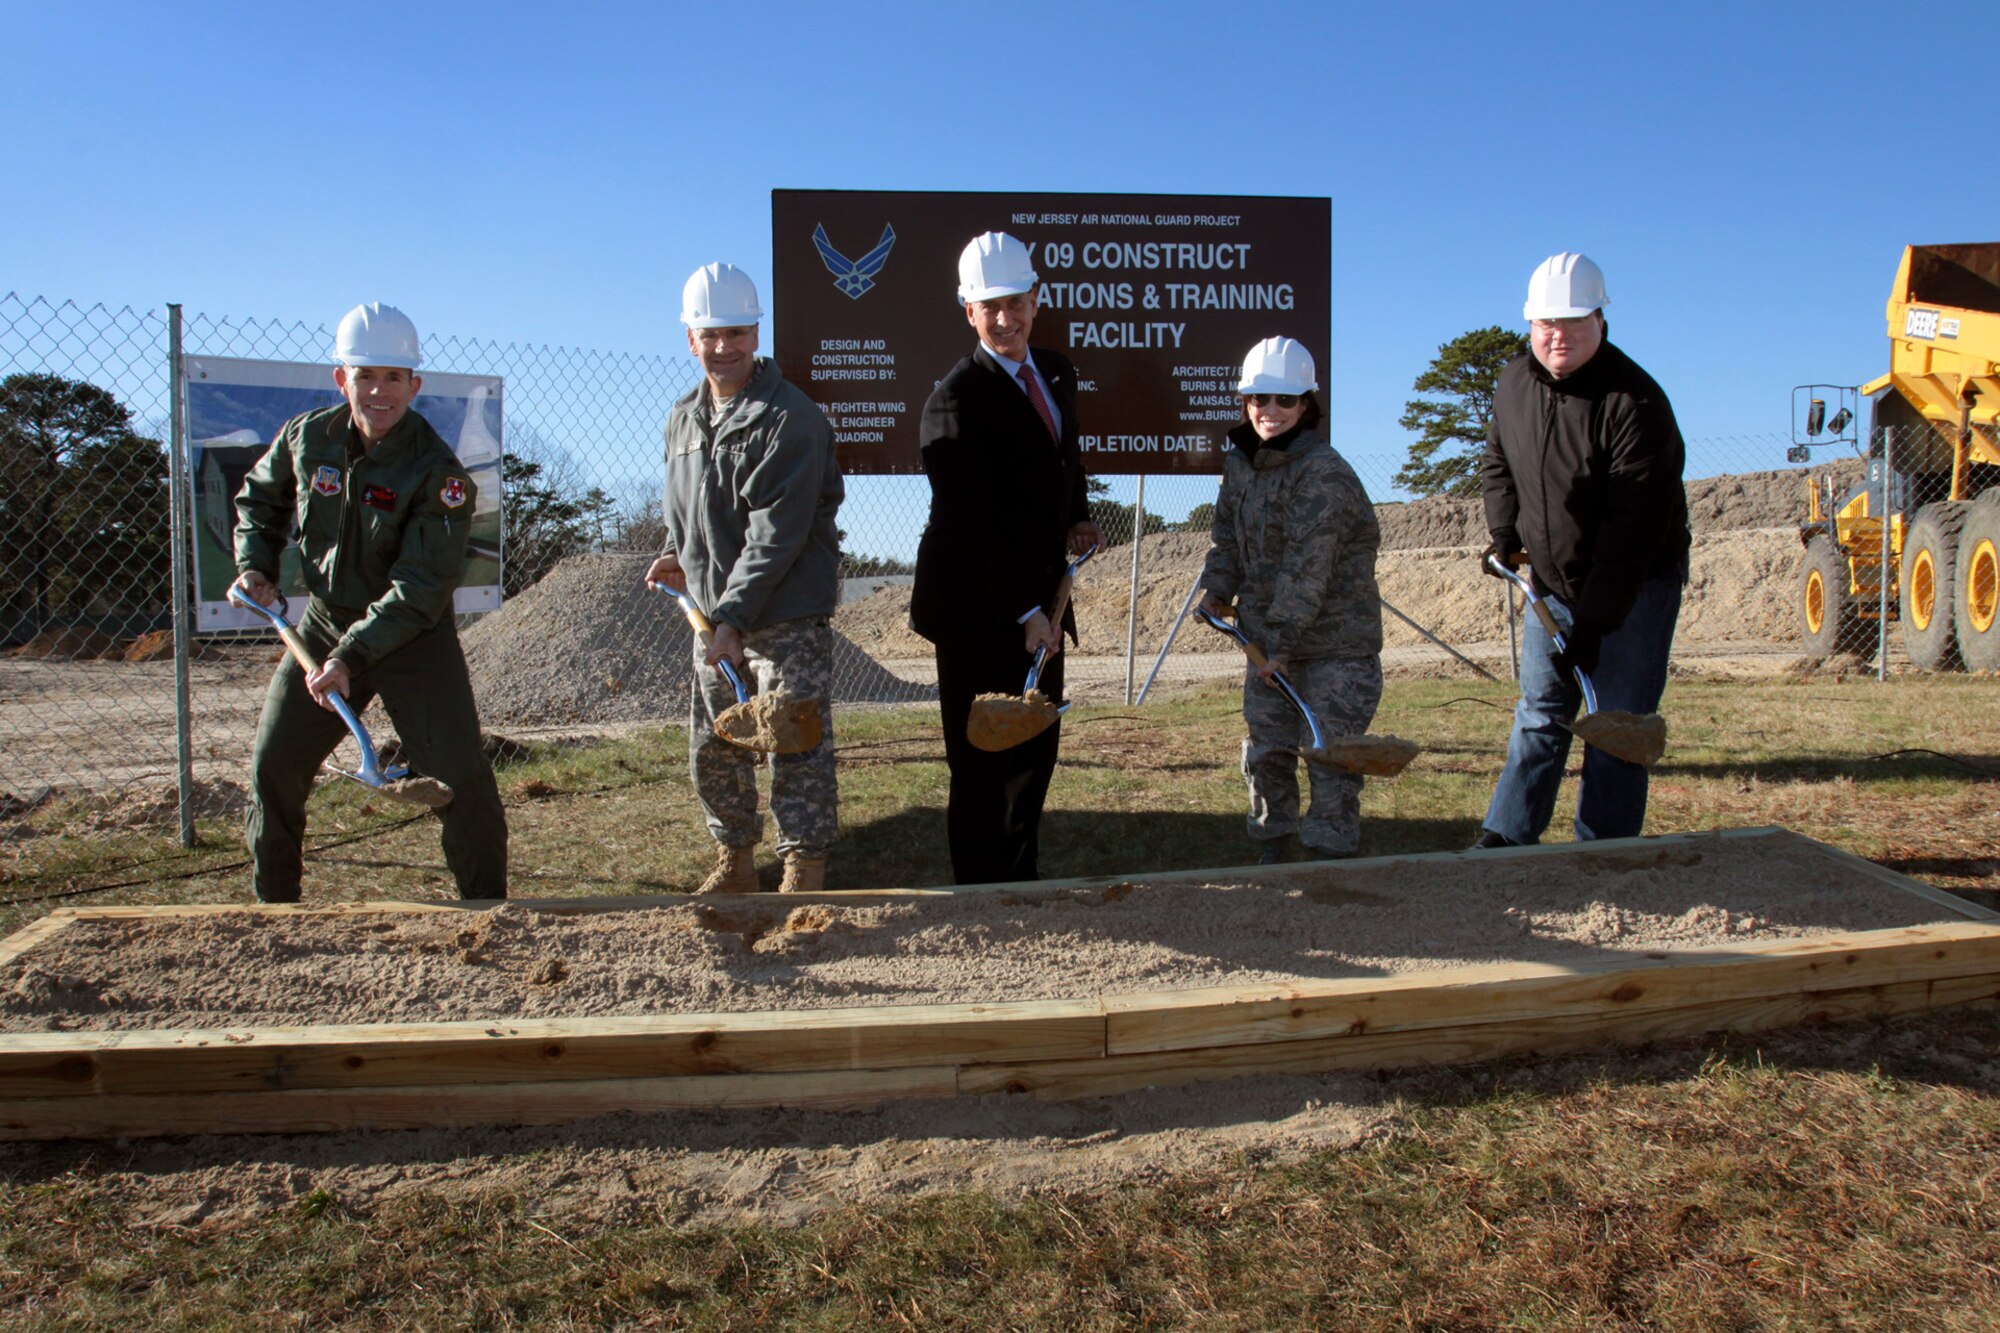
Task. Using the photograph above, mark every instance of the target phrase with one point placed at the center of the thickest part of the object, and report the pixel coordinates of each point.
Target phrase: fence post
(180, 498)
(1132, 596)
(1172, 631)
(1882, 579)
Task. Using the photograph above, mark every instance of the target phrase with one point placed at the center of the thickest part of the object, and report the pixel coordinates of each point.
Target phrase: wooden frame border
(300, 1079)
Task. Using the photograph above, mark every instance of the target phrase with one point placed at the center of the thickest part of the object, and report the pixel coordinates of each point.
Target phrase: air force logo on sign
(326, 481)
(853, 277)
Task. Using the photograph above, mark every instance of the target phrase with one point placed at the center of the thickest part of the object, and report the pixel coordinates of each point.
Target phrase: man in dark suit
(1008, 505)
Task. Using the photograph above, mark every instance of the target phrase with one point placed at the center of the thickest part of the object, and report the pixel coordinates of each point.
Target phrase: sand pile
(1365, 919)
(590, 643)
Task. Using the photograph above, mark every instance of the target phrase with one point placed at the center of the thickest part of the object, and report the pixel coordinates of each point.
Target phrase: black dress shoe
(1488, 839)
(1275, 851)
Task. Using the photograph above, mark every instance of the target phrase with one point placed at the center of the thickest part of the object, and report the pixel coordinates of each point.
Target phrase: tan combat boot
(735, 871)
(803, 874)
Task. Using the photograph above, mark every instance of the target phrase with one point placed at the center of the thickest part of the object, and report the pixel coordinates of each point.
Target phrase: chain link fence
(90, 703)
(1927, 493)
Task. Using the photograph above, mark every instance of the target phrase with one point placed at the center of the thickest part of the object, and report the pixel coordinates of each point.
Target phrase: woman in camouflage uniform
(1292, 546)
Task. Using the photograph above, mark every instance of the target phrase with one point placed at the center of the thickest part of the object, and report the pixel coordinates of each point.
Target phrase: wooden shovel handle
(1063, 588)
(1549, 623)
(300, 653)
(1250, 650)
(1542, 612)
(702, 625)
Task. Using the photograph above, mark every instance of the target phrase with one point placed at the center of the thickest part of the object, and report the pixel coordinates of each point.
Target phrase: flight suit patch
(326, 481)
(381, 497)
(452, 493)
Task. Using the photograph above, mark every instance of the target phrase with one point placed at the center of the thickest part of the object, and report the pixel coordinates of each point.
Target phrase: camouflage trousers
(1343, 693)
(796, 657)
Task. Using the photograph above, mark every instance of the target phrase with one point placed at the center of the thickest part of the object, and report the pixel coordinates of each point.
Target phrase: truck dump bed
(1944, 340)
(1965, 276)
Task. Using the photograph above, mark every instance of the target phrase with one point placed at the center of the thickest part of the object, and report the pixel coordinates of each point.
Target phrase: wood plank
(34, 935)
(51, 1064)
(1469, 1044)
(452, 1107)
(1513, 992)
(1861, 865)
(166, 911)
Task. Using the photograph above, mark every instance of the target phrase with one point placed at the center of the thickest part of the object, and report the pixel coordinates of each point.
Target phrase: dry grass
(1836, 1179)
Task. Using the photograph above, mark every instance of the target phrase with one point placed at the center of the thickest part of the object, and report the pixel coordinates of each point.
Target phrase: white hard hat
(719, 296)
(373, 334)
(1278, 365)
(1564, 287)
(992, 266)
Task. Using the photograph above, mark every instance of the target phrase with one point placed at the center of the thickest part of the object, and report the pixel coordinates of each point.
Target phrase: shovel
(774, 723)
(394, 783)
(1001, 721)
(1637, 738)
(1373, 756)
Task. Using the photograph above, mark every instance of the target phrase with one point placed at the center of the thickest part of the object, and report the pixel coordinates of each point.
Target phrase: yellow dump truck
(1933, 473)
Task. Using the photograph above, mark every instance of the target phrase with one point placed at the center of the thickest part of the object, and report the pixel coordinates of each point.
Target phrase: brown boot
(803, 874)
(735, 871)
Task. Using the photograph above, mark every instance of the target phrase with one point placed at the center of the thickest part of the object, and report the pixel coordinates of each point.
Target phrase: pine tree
(1451, 425)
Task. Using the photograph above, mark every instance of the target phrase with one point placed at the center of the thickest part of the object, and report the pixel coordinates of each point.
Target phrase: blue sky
(1746, 174)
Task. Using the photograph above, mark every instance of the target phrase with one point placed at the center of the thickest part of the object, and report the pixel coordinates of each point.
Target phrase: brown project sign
(1155, 297)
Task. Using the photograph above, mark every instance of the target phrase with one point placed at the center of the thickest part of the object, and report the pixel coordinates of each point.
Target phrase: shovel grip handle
(371, 767)
(1229, 627)
(1549, 623)
(293, 643)
(705, 631)
(1065, 586)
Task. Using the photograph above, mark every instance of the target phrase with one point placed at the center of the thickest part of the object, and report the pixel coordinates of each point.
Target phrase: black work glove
(1583, 640)
(1506, 545)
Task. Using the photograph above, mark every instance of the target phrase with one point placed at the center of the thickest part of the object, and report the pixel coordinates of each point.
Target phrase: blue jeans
(1631, 675)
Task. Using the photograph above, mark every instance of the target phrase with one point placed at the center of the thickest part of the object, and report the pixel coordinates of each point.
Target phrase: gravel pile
(590, 643)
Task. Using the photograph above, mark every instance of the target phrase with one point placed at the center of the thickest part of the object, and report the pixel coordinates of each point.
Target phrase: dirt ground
(1359, 919)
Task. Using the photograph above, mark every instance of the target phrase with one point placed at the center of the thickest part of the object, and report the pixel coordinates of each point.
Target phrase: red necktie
(1028, 382)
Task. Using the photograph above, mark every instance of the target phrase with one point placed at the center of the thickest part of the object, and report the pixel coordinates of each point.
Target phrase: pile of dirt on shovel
(590, 643)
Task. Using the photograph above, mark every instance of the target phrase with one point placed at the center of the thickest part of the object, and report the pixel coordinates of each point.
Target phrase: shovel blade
(1002, 721)
(774, 723)
(424, 793)
(1637, 738)
(1371, 756)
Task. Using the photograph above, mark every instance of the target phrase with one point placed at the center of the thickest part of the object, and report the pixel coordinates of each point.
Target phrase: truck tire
(1827, 622)
(1978, 618)
(1930, 582)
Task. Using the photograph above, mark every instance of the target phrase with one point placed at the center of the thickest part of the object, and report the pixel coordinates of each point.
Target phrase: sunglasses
(1272, 399)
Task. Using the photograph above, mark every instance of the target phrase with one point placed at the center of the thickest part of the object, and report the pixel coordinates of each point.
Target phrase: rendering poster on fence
(1155, 297)
(234, 409)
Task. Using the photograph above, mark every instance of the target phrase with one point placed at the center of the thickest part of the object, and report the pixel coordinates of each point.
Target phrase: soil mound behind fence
(589, 643)
(1744, 577)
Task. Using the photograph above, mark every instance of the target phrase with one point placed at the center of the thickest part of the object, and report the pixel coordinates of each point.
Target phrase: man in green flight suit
(383, 510)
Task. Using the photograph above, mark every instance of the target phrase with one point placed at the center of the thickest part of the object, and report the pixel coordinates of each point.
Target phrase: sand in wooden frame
(529, 1071)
